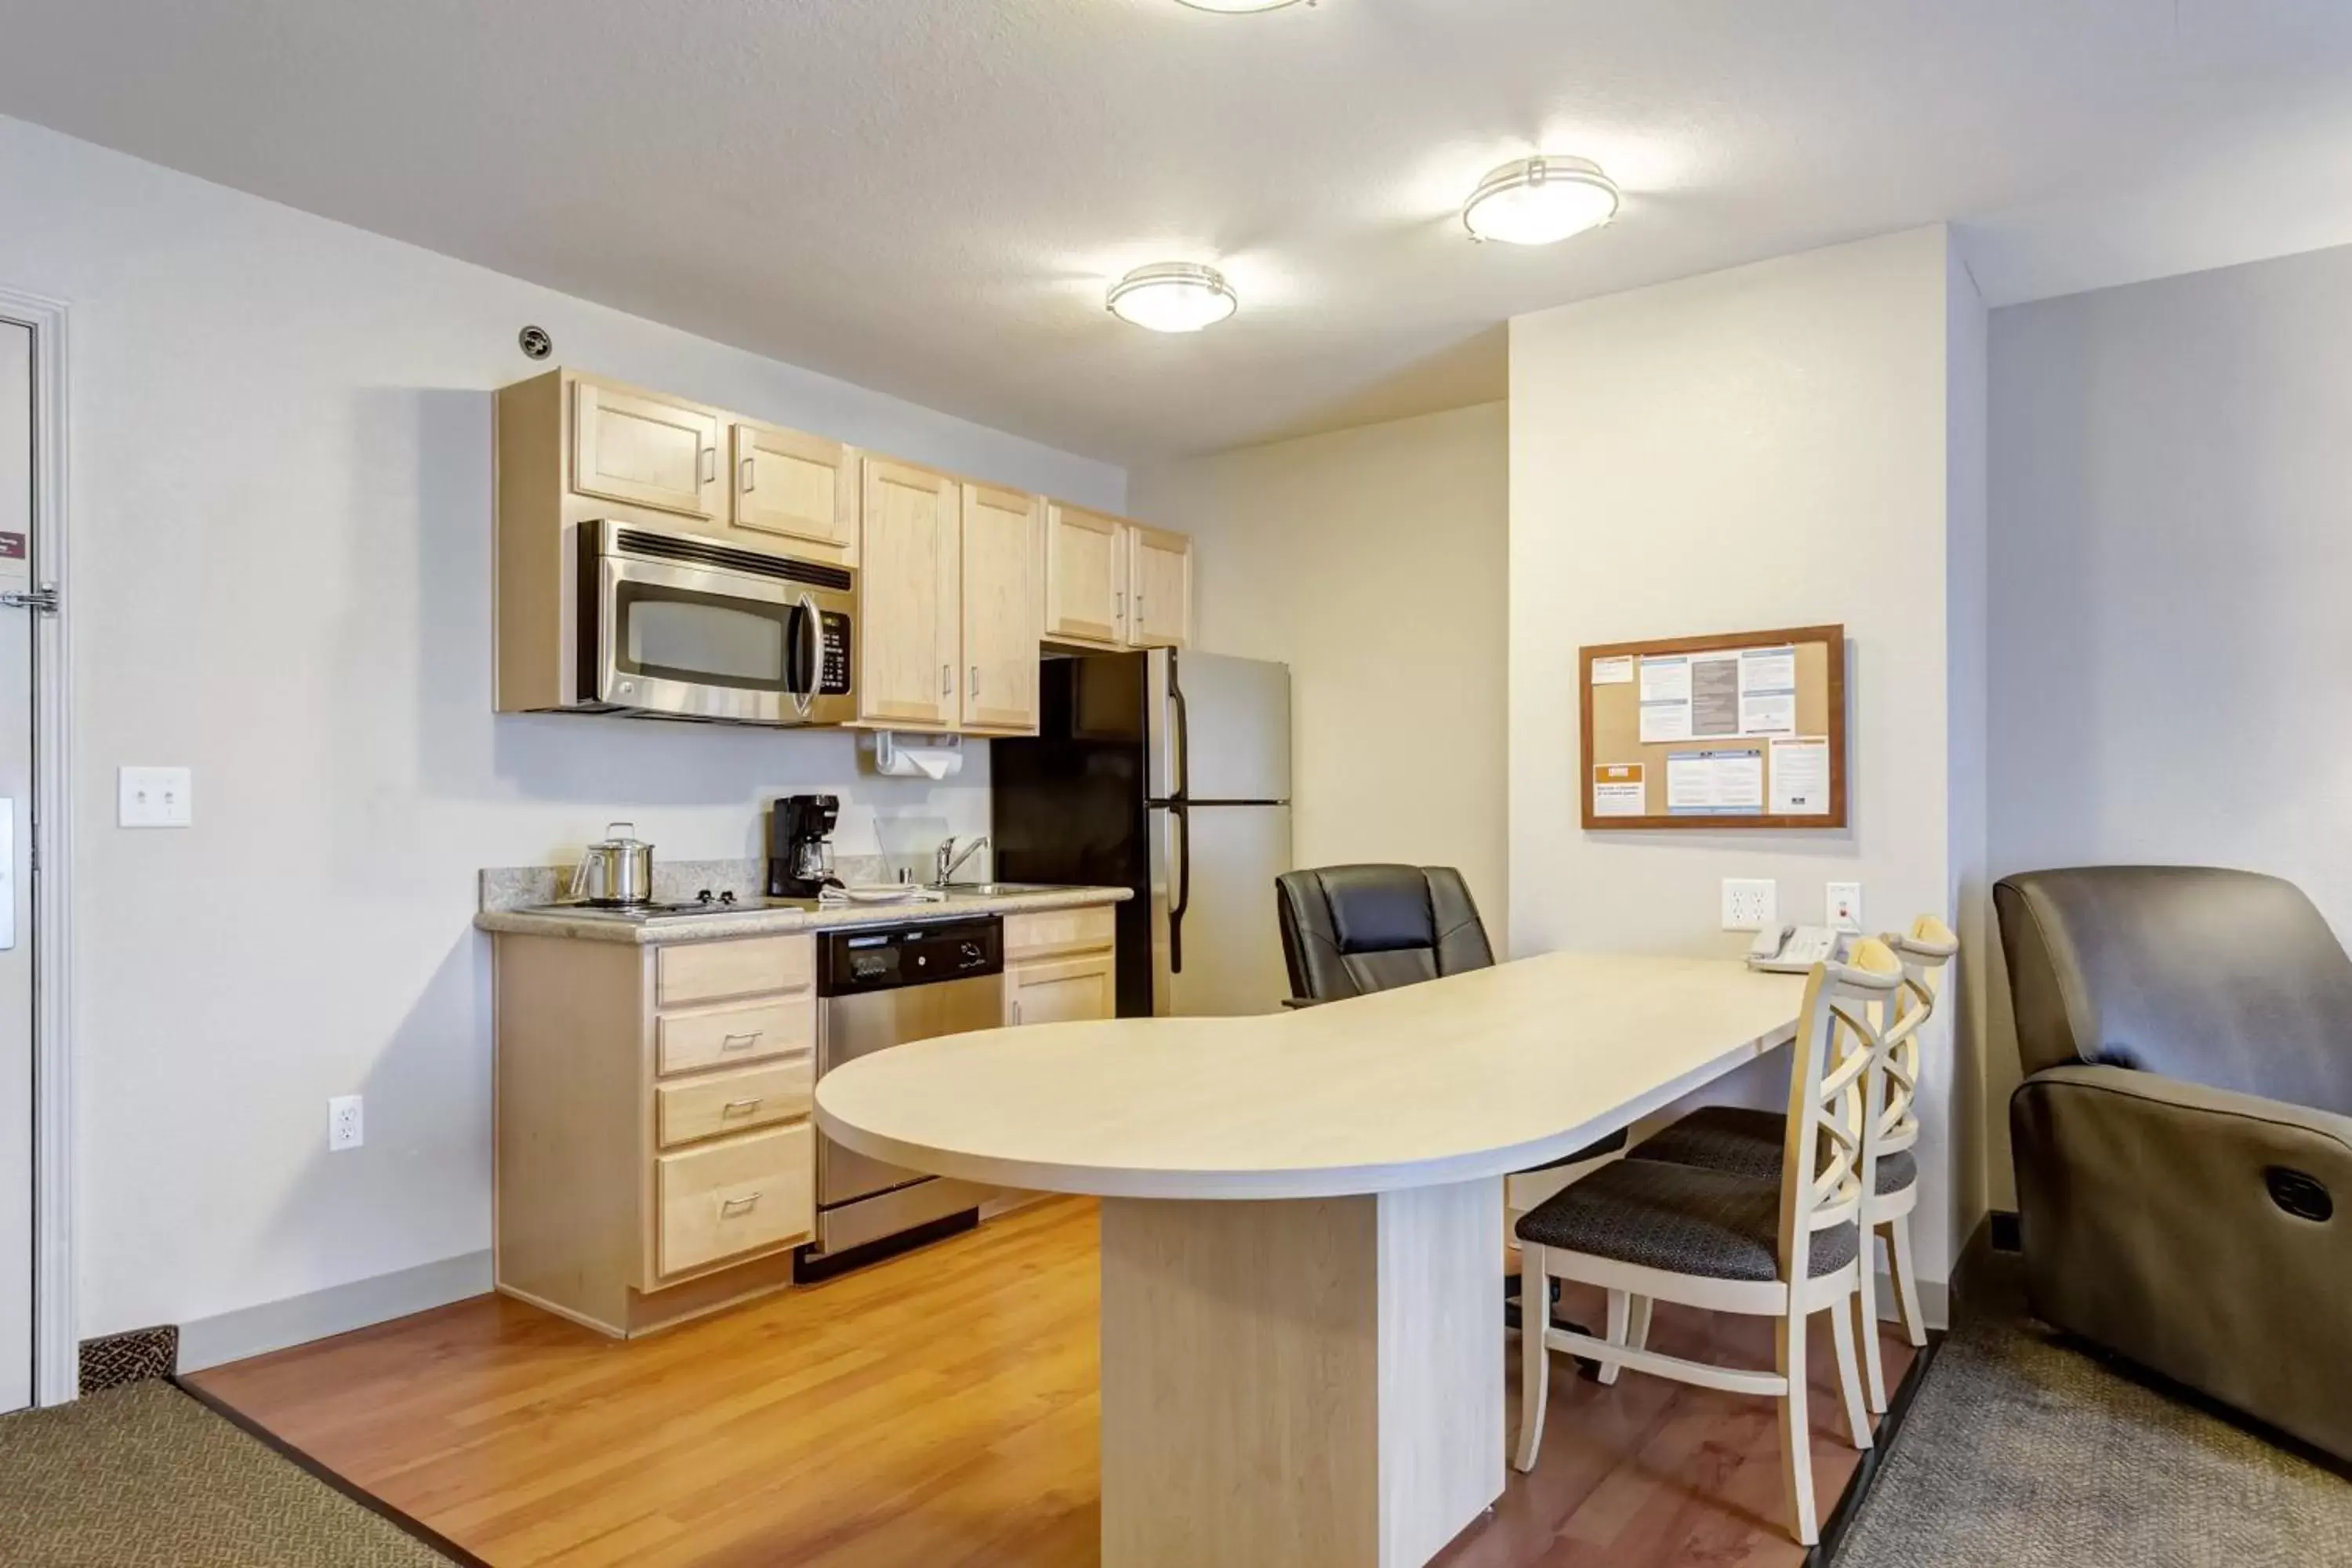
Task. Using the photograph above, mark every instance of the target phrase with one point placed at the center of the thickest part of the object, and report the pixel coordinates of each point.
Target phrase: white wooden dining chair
(1783, 1248)
(1747, 1141)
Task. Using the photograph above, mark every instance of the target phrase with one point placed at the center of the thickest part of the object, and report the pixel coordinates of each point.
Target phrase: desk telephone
(1794, 950)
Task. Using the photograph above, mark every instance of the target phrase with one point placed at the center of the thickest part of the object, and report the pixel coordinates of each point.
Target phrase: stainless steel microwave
(679, 625)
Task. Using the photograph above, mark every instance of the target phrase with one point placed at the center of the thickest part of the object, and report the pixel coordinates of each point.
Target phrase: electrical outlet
(1749, 905)
(345, 1127)
(155, 797)
(1841, 906)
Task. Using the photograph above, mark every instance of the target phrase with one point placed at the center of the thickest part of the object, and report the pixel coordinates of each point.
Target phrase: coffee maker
(800, 846)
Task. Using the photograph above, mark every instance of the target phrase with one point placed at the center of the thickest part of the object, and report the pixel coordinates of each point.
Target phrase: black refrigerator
(1166, 773)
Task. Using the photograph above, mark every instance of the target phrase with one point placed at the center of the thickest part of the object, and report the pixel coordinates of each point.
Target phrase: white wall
(2171, 536)
(1759, 447)
(1370, 561)
(280, 576)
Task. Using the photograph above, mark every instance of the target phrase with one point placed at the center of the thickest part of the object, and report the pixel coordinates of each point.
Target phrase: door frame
(56, 1348)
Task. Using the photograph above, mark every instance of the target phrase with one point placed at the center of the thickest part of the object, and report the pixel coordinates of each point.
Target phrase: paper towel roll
(932, 757)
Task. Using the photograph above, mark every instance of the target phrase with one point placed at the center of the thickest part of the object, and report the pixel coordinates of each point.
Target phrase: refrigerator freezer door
(1219, 726)
(1232, 946)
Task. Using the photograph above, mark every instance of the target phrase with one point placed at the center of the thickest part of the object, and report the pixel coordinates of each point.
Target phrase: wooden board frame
(1833, 637)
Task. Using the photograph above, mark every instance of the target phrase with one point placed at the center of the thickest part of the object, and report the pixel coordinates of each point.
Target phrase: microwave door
(699, 644)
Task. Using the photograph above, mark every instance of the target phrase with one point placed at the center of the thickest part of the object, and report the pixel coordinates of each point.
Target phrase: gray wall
(2170, 555)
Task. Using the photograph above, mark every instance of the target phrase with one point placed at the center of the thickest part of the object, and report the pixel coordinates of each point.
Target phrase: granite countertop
(509, 895)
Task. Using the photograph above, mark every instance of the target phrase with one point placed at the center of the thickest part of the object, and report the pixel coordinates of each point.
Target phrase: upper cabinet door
(1085, 577)
(628, 447)
(908, 638)
(802, 490)
(1003, 560)
(1160, 588)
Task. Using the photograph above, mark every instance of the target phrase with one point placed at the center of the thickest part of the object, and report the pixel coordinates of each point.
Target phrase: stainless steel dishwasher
(878, 988)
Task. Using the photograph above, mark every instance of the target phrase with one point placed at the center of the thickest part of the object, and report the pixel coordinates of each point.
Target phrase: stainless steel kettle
(621, 867)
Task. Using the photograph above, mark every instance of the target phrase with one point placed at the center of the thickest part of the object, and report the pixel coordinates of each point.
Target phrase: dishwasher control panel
(853, 962)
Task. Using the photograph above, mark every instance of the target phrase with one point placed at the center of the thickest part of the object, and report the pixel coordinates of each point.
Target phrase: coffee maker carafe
(800, 846)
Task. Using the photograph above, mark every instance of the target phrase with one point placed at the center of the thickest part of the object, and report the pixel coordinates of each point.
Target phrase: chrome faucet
(950, 860)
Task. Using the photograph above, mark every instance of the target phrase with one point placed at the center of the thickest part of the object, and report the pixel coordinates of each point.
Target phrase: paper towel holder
(918, 755)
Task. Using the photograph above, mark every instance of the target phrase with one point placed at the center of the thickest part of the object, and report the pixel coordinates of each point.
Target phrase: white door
(15, 882)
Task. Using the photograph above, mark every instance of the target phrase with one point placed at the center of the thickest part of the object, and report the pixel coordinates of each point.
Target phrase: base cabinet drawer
(719, 1103)
(733, 1037)
(1058, 931)
(745, 1195)
(688, 973)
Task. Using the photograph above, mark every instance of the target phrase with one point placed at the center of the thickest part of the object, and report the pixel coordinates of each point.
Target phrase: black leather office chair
(1349, 931)
(2183, 1136)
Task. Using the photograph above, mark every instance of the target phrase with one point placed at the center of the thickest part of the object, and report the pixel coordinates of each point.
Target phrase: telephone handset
(1794, 950)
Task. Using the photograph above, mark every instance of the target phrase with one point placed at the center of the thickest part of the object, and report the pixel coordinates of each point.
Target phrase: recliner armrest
(2202, 1232)
(2196, 1099)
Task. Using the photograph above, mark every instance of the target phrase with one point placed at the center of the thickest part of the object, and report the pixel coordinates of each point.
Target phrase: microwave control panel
(832, 680)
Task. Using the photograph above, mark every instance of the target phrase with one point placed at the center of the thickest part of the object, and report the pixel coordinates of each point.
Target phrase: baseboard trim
(338, 1310)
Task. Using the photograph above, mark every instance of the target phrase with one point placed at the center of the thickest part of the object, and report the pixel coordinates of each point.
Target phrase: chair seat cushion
(1593, 1150)
(1748, 1143)
(1682, 1218)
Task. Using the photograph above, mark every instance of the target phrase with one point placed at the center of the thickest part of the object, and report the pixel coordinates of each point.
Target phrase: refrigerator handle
(1183, 730)
(1180, 816)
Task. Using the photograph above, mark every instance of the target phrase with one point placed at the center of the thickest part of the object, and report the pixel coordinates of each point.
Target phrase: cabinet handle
(975, 680)
(946, 680)
(709, 464)
(740, 1042)
(733, 1106)
(1016, 1009)
(747, 476)
(737, 1206)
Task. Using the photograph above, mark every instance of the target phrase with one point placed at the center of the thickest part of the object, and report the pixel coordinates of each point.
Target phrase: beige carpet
(2020, 1451)
(145, 1477)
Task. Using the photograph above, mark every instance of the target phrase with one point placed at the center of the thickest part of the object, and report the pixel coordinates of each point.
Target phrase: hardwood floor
(938, 1410)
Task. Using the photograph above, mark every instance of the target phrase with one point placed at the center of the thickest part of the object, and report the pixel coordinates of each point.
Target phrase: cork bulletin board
(1745, 729)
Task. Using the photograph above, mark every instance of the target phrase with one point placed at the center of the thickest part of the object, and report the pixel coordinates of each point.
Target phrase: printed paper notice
(1768, 692)
(1619, 790)
(1800, 776)
(1618, 671)
(1715, 784)
(1665, 699)
(1714, 695)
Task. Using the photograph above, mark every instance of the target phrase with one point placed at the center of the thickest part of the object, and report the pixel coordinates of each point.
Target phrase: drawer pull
(738, 1205)
(741, 1042)
(733, 1106)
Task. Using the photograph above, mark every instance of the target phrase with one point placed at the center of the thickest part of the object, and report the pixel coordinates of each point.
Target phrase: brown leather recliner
(2183, 1138)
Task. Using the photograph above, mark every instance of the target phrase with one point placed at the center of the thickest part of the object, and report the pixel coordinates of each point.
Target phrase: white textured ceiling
(928, 196)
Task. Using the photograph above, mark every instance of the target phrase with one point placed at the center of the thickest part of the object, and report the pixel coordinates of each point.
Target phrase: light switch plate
(156, 797)
(1841, 906)
(1749, 905)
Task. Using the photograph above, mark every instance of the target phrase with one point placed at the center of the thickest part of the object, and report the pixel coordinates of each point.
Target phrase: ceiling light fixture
(1238, 6)
(1539, 201)
(1173, 297)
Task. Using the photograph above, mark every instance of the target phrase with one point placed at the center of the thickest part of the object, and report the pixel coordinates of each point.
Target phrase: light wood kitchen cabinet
(630, 445)
(798, 493)
(1060, 965)
(1085, 577)
(1114, 583)
(655, 1158)
(1001, 598)
(1159, 587)
(909, 621)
